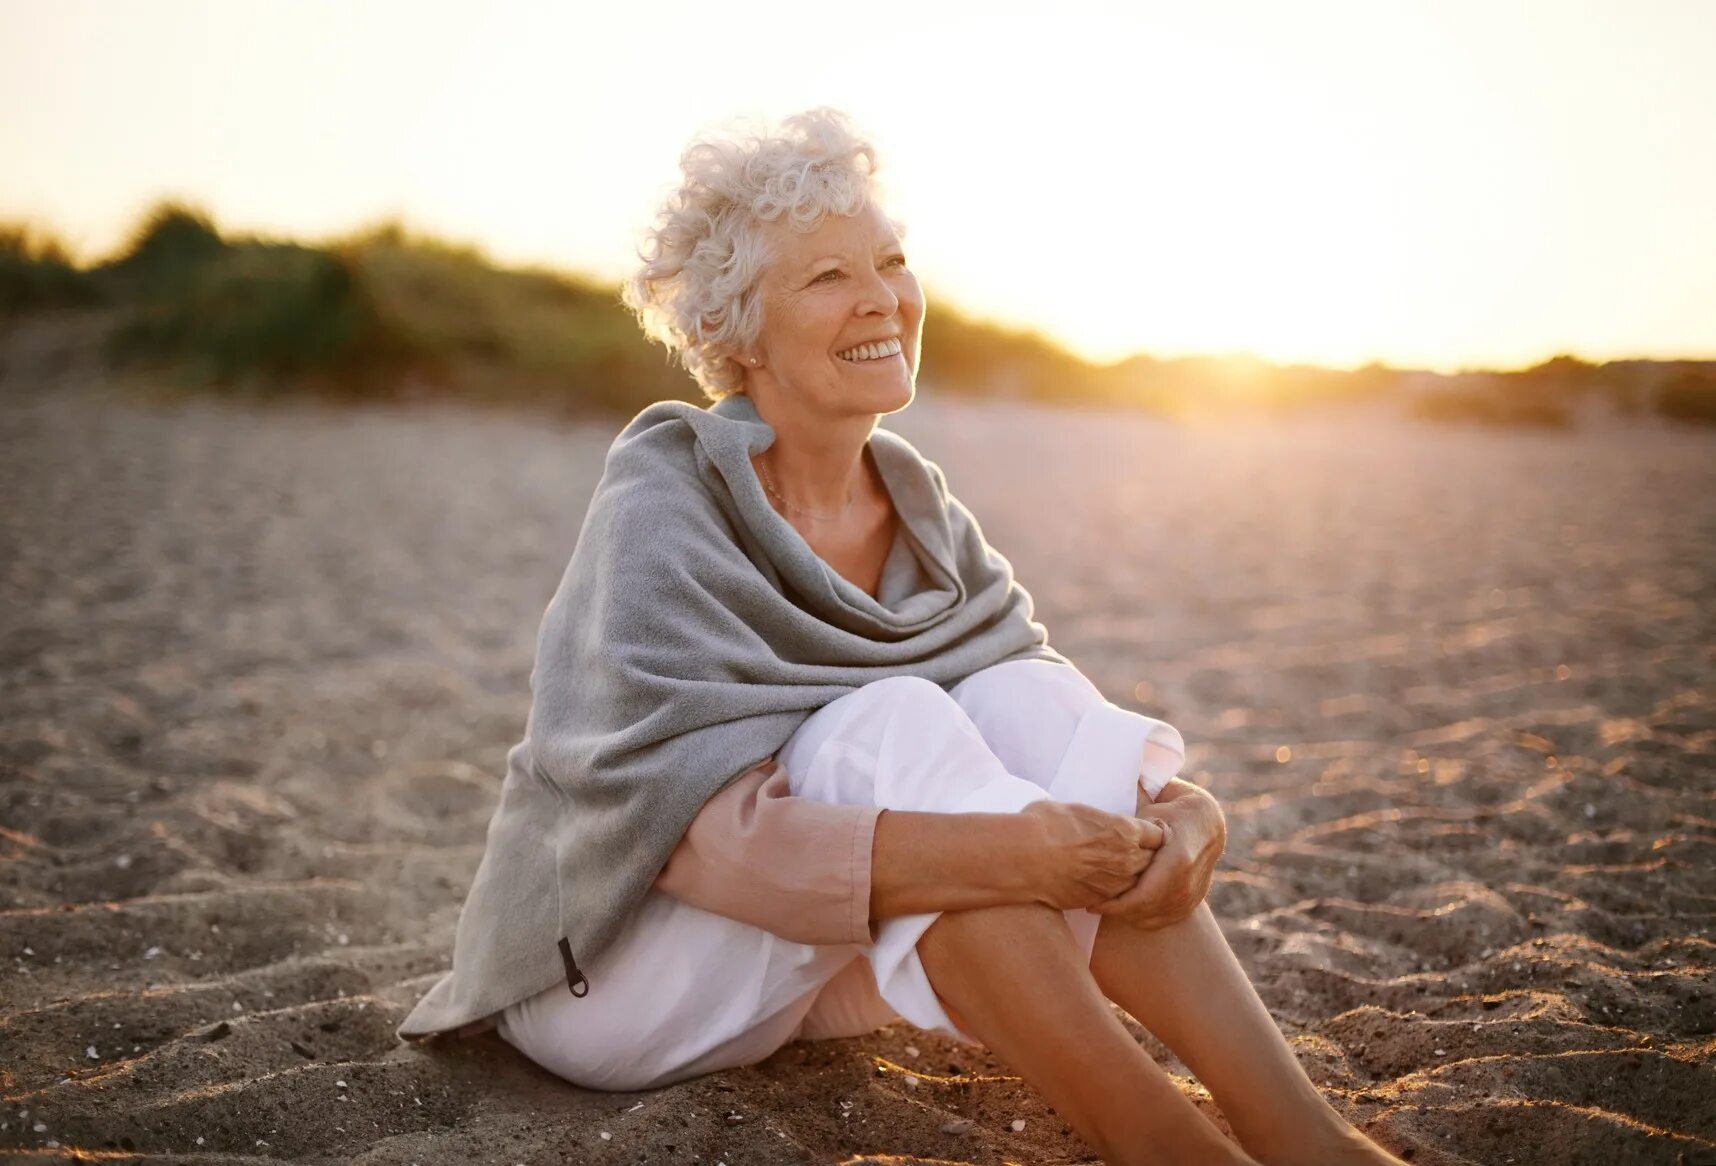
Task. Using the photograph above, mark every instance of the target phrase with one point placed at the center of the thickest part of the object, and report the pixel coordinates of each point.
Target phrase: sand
(260, 668)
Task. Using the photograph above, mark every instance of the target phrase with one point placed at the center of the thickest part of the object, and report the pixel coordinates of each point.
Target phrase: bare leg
(1019, 984)
(1184, 984)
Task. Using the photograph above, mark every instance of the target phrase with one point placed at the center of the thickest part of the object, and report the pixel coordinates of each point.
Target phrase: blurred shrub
(475, 330)
(1688, 396)
(967, 357)
(165, 252)
(1241, 383)
(380, 314)
(36, 272)
(256, 316)
(1563, 376)
(1493, 404)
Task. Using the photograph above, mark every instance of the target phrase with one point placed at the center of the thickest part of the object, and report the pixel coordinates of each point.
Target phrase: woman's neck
(820, 469)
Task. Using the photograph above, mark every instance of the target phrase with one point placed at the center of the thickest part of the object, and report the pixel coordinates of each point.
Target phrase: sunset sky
(1435, 185)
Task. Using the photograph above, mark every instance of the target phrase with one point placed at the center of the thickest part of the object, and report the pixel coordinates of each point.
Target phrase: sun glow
(1430, 186)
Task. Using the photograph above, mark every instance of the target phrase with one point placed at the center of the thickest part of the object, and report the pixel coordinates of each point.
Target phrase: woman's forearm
(923, 861)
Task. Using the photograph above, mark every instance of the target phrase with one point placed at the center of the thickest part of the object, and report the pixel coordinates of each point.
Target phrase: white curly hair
(696, 291)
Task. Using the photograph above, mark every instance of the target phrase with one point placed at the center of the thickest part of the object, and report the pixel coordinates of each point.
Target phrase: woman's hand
(1083, 856)
(1178, 878)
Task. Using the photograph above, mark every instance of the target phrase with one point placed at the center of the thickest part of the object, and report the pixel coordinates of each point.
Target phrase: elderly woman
(799, 762)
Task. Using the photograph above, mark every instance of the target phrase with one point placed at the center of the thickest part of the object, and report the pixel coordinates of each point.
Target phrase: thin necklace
(770, 487)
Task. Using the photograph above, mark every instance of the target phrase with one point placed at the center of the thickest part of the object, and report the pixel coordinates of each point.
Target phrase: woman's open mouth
(872, 353)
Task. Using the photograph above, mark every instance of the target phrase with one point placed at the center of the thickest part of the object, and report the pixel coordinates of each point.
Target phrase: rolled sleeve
(793, 866)
(859, 929)
(1112, 740)
(1164, 756)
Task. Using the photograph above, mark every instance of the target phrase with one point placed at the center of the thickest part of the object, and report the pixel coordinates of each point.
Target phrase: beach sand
(261, 668)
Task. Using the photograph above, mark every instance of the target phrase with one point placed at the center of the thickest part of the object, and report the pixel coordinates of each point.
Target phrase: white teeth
(863, 352)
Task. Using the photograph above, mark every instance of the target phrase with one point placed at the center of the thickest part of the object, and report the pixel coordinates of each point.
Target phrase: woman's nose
(879, 295)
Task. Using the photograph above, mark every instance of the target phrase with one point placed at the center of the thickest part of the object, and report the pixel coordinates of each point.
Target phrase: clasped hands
(1150, 871)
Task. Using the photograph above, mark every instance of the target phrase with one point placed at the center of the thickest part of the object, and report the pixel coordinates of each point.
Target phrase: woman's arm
(1061, 854)
(793, 866)
(822, 873)
(818, 872)
(948, 862)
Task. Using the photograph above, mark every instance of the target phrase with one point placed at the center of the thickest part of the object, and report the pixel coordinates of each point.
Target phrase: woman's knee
(833, 756)
(893, 696)
(906, 687)
(1028, 711)
(1006, 686)
(1000, 689)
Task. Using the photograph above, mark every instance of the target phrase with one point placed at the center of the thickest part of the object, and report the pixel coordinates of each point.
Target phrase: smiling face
(829, 291)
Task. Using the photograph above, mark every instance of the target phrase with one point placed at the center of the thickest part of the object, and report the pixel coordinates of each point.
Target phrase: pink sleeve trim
(861, 868)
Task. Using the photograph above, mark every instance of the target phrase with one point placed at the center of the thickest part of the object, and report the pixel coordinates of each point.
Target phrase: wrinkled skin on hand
(1086, 856)
(1178, 877)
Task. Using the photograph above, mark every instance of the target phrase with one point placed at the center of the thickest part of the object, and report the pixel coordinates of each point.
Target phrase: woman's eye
(899, 260)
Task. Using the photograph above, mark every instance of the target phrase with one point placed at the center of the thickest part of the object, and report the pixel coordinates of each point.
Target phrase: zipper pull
(574, 977)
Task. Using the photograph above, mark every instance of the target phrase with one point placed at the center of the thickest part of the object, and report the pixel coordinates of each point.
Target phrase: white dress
(683, 992)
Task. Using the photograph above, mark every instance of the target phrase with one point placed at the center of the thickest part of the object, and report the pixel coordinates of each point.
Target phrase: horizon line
(86, 256)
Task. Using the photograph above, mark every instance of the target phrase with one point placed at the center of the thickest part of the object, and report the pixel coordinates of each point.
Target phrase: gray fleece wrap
(693, 632)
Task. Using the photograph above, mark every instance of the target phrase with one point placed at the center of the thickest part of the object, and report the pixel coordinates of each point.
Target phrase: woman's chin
(894, 397)
(881, 377)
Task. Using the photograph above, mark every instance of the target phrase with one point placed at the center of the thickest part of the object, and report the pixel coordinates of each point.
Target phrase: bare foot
(1341, 1145)
(1358, 1151)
